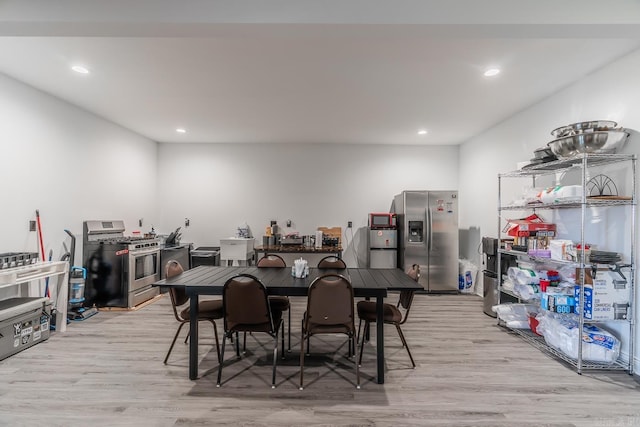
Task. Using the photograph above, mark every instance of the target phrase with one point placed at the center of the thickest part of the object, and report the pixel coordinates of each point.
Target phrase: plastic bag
(467, 276)
(561, 332)
(523, 276)
(515, 316)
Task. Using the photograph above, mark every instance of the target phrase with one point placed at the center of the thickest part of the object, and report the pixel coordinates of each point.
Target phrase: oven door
(144, 268)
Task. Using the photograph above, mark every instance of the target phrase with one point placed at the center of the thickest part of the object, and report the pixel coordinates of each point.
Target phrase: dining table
(366, 282)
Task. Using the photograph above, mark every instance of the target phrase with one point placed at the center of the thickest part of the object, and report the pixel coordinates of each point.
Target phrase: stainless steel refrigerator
(428, 236)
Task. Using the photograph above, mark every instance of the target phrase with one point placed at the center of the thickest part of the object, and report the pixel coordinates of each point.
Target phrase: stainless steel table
(369, 283)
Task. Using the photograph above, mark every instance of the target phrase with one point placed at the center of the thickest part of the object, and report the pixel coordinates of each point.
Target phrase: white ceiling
(301, 71)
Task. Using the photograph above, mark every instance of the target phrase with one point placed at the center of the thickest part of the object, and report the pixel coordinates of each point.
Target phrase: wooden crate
(332, 232)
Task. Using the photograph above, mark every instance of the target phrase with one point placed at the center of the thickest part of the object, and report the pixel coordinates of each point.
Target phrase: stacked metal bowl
(599, 136)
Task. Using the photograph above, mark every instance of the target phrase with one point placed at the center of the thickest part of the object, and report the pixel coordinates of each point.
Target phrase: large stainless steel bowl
(589, 142)
(581, 127)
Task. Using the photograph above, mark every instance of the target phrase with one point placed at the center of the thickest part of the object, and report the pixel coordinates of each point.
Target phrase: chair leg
(355, 359)
(215, 333)
(244, 343)
(302, 339)
(359, 325)
(275, 356)
(173, 342)
(283, 340)
(404, 342)
(237, 345)
(289, 327)
(186, 339)
(366, 327)
(224, 342)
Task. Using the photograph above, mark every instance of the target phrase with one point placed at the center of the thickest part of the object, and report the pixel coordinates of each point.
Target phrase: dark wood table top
(366, 282)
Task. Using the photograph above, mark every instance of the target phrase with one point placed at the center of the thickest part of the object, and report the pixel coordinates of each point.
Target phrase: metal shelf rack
(539, 343)
(581, 164)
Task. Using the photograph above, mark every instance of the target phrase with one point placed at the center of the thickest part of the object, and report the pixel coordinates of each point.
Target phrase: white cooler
(24, 322)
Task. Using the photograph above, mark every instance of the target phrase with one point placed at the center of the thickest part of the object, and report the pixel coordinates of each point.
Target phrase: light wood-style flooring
(108, 371)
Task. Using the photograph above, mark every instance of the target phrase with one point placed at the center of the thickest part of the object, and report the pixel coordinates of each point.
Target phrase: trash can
(490, 275)
(490, 292)
(205, 255)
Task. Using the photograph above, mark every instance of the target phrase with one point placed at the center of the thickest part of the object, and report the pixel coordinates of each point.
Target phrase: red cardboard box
(532, 225)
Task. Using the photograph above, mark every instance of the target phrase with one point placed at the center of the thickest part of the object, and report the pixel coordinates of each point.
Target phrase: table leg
(380, 337)
(193, 337)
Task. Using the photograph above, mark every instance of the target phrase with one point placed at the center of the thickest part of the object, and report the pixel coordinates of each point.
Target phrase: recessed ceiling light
(80, 69)
(422, 132)
(181, 130)
(492, 72)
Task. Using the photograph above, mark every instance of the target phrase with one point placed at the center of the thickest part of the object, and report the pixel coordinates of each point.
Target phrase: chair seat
(209, 309)
(257, 327)
(367, 312)
(279, 303)
(332, 329)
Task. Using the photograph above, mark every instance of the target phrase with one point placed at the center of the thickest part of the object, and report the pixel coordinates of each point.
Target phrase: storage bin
(24, 322)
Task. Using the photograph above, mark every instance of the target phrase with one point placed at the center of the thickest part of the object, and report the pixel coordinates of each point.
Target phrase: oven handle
(144, 252)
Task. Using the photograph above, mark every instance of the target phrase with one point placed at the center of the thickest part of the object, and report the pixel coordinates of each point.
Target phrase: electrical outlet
(349, 224)
(32, 226)
(140, 222)
(187, 222)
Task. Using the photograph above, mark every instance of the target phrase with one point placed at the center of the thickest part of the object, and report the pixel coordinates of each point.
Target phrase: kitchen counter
(297, 249)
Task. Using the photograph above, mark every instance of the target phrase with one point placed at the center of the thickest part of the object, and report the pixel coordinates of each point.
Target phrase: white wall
(610, 93)
(220, 186)
(69, 164)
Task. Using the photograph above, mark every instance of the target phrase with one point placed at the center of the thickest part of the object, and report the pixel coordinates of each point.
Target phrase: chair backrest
(271, 260)
(178, 295)
(172, 268)
(330, 303)
(246, 305)
(414, 272)
(332, 261)
(406, 297)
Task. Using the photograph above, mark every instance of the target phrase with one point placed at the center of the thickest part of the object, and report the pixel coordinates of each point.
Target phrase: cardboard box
(607, 295)
(560, 249)
(530, 226)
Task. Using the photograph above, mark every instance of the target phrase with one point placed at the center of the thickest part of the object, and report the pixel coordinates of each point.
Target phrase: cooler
(24, 322)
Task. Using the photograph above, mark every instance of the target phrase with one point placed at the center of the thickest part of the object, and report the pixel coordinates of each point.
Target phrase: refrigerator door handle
(430, 231)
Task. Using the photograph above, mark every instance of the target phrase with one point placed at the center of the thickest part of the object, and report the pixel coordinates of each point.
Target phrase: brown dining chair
(277, 302)
(246, 309)
(332, 262)
(392, 314)
(208, 310)
(329, 311)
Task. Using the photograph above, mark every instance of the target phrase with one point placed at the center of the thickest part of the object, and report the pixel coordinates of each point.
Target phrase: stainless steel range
(120, 269)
